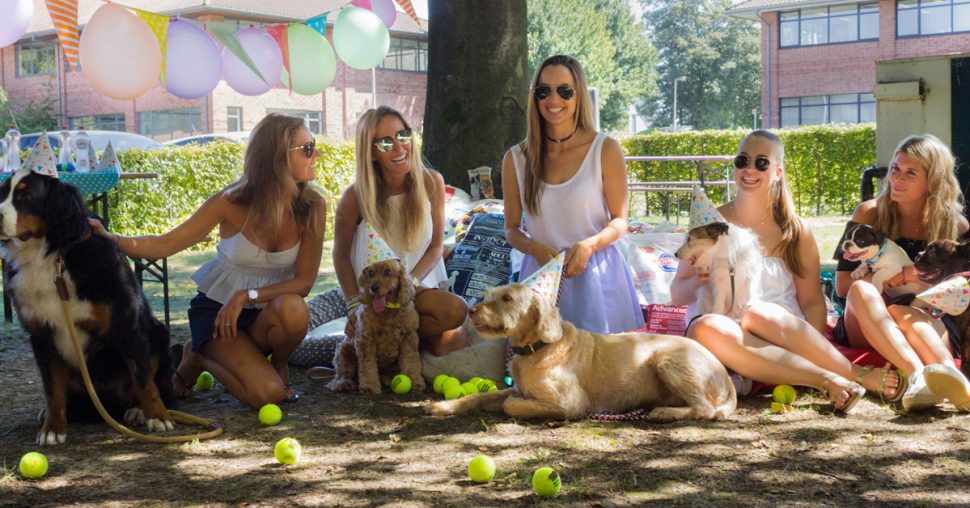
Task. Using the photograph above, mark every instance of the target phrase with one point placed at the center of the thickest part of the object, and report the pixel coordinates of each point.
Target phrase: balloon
(193, 64)
(119, 53)
(360, 38)
(383, 8)
(264, 52)
(311, 60)
(14, 22)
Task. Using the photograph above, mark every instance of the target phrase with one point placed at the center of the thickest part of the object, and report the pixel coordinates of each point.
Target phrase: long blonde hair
(534, 145)
(267, 185)
(944, 201)
(372, 191)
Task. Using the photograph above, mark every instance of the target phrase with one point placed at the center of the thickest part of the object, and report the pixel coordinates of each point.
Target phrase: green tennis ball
(287, 450)
(401, 384)
(784, 394)
(469, 388)
(546, 482)
(33, 465)
(447, 383)
(475, 380)
(487, 385)
(270, 414)
(204, 381)
(453, 392)
(438, 380)
(481, 468)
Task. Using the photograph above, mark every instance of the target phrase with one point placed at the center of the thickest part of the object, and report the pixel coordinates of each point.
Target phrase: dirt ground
(364, 451)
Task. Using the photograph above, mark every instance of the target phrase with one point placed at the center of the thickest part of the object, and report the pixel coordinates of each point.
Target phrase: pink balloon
(15, 21)
(193, 64)
(119, 53)
(264, 52)
(383, 8)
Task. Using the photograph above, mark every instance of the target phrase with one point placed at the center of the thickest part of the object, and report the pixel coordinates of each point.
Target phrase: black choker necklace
(560, 140)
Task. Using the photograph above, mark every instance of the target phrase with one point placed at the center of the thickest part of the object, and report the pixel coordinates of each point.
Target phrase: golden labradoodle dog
(386, 338)
(562, 372)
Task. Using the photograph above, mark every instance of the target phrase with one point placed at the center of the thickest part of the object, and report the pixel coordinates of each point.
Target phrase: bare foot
(186, 373)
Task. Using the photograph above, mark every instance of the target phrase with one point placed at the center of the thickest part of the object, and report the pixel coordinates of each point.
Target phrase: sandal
(320, 374)
(295, 396)
(176, 351)
(886, 369)
(855, 390)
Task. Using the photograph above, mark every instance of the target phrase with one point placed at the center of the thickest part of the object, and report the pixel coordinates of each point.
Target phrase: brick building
(35, 67)
(818, 58)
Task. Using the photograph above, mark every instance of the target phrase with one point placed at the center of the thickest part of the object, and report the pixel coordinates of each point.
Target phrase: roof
(752, 8)
(289, 11)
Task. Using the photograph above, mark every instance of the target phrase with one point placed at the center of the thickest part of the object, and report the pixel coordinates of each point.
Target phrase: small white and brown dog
(879, 255)
(562, 372)
(732, 256)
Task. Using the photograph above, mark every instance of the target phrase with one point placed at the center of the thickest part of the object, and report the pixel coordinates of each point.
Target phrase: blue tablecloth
(94, 182)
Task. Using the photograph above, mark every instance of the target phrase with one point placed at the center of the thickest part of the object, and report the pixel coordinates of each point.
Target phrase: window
(115, 122)
(929, 17)
(312, 119)
(36, 58)
(234, 119)
(170, 124)
(407, 55)
(829, 25)
(838, 108)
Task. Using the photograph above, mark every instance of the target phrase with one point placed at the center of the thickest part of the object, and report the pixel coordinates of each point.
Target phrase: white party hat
(546, 280)
(951, 296)
(377, 248)
(41, 157)
(702, 211)
(109, 160)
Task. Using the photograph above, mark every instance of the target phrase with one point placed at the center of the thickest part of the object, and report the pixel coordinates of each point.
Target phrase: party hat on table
(41, 157)
(951, 296)
(377, 248)
(109, 160)
(546, 280)
(702, 211)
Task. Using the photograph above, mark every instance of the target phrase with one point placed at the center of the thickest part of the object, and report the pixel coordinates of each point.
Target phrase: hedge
(823, 163)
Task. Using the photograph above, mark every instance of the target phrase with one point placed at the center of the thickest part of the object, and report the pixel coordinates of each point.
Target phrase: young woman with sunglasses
(251, 296)
(920, 202)
(571, 182)
(779, 340)
(405, 203)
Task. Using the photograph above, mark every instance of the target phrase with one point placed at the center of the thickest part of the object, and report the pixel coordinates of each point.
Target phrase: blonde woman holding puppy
(779, 340)
(920, 202)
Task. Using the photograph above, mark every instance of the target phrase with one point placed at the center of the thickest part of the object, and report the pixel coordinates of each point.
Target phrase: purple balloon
(384, 10)
(193, 64)
(264, 52)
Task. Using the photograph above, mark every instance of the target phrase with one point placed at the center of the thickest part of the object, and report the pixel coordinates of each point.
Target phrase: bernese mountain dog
(44, 234)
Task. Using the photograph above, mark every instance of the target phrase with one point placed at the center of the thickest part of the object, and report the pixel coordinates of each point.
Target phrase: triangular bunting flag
(546, 279)
(951, 296)
(408, 8)
(377, 248)
(226, 34)
(41, 157)
(158, 24)
(318, 23)
(362, 3)
(64, 16)
(702, 211)
(278, 32)
(109, 160)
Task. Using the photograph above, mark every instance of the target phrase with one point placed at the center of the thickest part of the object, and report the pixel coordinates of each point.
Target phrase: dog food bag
(481, 258)
(652, 263)
(480, 182)
(666, 319)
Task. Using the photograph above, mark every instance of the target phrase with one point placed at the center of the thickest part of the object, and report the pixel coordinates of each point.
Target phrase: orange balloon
(119, 53)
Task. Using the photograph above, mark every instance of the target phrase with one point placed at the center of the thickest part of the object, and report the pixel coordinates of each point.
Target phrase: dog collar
(531, 348)
(392, 305)
(874, 259)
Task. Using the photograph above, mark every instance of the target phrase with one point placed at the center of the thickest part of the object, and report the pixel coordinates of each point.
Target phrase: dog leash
(178, 416)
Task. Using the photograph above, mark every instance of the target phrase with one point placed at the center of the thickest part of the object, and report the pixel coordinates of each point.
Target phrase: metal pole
(681, 78)
(373, 87)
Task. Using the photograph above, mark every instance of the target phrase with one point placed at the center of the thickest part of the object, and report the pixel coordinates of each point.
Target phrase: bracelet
(352, 303)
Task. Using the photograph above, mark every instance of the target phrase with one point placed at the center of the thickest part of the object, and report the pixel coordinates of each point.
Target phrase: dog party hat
(546, 279)
(702, 211)
(41, 157)
(951, 296)
(109, 160)
(377, 248)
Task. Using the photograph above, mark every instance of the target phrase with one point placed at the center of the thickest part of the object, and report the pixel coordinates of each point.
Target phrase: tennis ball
(469, 388)
(438, 380)
(481, 468)
(475, 380)
(546, 482)
(784, 394)
(447, 383)
(33, 465)
(453, 392)
(204, 381)
(287, 450)
(487, 385)
(401, 384)
(270, 414)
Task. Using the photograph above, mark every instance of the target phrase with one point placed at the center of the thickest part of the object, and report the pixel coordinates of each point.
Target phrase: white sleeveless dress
(240, 265)
(777, 286)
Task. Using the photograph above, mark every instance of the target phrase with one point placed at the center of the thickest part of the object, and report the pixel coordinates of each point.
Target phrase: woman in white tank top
(405, 203)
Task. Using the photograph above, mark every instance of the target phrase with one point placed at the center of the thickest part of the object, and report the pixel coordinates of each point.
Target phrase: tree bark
(477, 86)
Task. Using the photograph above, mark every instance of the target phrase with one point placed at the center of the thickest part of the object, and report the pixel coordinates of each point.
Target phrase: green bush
(188, 175)
(823, 163)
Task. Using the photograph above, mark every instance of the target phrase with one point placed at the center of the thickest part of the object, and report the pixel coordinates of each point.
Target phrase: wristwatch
(253, 296)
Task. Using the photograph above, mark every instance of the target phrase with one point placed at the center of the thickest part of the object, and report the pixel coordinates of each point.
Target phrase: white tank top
(570, 211)
(239, 264)
(777, 286)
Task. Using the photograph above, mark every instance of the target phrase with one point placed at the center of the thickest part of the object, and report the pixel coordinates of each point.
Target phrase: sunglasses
(543, 92)
(386, 143)
(760, 163)
(308, 148)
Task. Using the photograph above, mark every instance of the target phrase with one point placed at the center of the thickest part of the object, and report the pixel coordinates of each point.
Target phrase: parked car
(121, 141)
(201, 139)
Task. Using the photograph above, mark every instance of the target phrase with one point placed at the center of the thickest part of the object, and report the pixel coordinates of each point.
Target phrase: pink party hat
(377, 248)
(546, 279)
(109, 160)
(41, 157)
(951, 296)
(702, 211)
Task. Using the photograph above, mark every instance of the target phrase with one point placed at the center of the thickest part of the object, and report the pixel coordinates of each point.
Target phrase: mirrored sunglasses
(543, 92)
(308, 148)
(760, 163)
(386, 143)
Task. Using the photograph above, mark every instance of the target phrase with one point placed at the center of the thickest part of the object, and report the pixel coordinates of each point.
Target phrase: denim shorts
(202, 319)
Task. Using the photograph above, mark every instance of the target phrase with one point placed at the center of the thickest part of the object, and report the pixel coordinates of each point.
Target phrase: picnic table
(704, 164)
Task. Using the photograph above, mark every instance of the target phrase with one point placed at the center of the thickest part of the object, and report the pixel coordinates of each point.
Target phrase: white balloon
(119, 53)
(15, 21)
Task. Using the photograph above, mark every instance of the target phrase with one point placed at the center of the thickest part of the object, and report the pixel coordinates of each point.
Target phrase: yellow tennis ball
(438, 380)
(481, 468)
(204, 381)
(287, 450)
(270, 414)
(447, 383)
(469, 388)
(487, 385)
(453, 392)
(475, 380)
(784, 394)
(546, 482)
(401, 384)
(33, 465)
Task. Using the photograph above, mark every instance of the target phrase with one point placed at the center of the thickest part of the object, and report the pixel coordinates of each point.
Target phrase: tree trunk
(477, 86)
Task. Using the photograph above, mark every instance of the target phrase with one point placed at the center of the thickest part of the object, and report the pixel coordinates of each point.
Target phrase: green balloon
(312, 62)
(360, 38)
